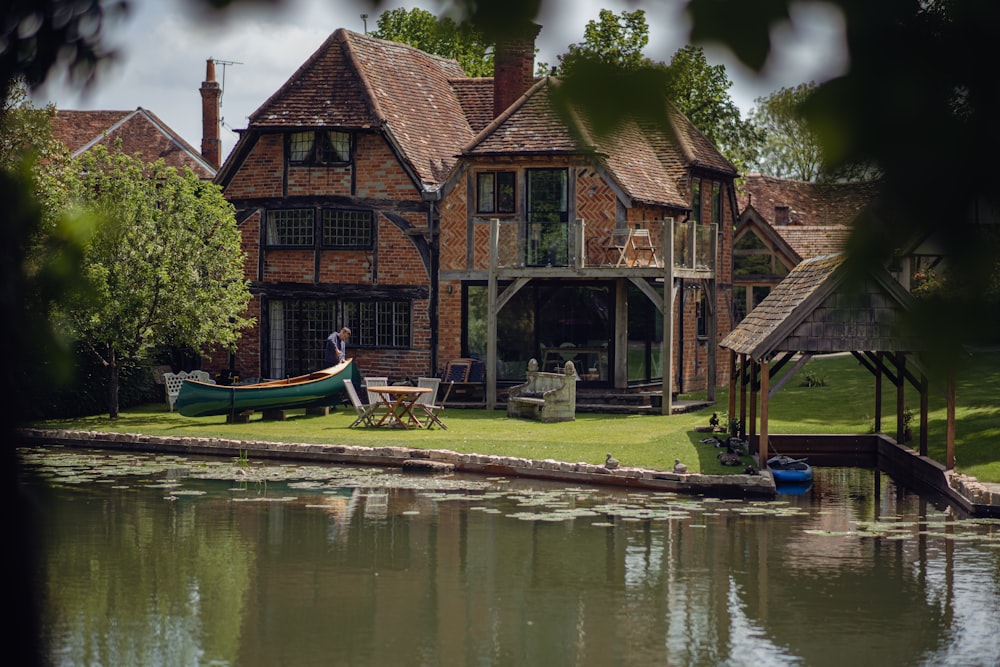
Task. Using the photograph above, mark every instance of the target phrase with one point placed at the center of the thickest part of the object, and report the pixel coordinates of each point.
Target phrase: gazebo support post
(900, 395)
(732, 388)
(744, 378)
(923, 414)
(949, 453)
(879, 369)
(765, 374)
(752, 428)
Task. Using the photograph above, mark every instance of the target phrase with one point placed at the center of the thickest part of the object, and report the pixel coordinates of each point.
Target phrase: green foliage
(612, 53)
(701, 92)
(790, 148)
(439, 36)
(812, 379)
(164, 264)
(617, 40)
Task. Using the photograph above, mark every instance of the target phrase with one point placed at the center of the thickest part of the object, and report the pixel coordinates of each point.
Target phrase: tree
(611, 39)
(701, 92)
(613, 49)
(439, 36)
(164, 264)
(791, 148)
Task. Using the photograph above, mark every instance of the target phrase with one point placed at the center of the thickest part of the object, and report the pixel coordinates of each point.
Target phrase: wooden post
(491, 317)
(923, 414)
(667, 344)
(900, 395)
(732, 389)
(879, 371)
(712, 287)
(743, 395)
(765, 373)
(752, 428)
(949, 456)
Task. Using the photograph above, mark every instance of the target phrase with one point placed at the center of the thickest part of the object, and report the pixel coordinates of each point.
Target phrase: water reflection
(371, 567)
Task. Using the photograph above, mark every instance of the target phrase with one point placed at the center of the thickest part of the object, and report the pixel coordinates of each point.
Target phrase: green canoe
(317, 389)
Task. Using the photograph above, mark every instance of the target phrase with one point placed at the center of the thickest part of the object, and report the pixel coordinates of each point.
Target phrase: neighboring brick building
(365, 188)
(141, 133)
(783, 222)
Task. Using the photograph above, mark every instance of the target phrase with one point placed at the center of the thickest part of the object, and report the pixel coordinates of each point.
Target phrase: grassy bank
(841, 401)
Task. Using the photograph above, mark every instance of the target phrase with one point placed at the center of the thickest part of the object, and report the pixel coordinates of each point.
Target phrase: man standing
(336, 347)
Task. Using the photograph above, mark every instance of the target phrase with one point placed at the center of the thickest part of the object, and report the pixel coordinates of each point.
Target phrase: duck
(611, 462)
(679, 467)
(713, 421)
(729, 459)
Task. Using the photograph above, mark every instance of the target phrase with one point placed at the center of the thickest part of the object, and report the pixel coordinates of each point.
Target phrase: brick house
(141, 133)
(440, 216)
(783, 222)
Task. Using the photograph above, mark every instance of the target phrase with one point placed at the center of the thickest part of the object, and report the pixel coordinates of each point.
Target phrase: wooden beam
(764, 375)
(491, 317)
(743, 395)
(923, 415)
(880, 363)
(667, 344)
(732, 388)
(803, 360)
(949, 455)
(900, 360)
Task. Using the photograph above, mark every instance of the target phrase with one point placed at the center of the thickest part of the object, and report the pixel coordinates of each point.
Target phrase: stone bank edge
(738, 485)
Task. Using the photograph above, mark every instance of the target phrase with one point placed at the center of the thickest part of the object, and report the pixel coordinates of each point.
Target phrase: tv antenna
(224, 63)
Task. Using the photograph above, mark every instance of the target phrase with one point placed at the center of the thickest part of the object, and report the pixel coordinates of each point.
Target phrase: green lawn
(843, 405)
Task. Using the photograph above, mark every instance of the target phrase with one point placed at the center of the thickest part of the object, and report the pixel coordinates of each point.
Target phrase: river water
(164, 560)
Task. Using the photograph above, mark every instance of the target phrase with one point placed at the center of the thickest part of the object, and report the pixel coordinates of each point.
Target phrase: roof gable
(141, 133)
(810, 311)
(358, 82)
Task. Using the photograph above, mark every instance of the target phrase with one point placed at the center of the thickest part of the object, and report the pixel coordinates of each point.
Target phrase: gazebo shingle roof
(810, 311)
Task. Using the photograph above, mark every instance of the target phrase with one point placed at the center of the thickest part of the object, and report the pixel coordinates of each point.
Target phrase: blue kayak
(785, 469)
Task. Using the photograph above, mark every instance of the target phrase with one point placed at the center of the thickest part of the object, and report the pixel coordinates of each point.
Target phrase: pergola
(817, 310)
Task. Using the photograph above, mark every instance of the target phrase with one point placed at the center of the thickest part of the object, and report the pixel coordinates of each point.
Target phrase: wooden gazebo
(814, 310)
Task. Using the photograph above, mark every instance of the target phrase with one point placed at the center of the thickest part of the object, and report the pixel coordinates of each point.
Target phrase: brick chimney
(513, 67)
(211, 93)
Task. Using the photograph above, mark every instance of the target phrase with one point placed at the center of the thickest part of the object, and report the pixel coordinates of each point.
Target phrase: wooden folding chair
(433, 409)
(366, 413)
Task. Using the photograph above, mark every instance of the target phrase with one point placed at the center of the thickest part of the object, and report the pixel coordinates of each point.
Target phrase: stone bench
(546, 397)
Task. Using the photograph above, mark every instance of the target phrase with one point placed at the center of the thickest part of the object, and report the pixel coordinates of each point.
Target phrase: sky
(163, 46)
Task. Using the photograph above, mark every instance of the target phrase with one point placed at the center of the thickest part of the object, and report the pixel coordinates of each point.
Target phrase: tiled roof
(529, 126)
(806, 312)
(820, 204)
(354, 81)
(647, 162)
(433, 114)
(141, 132)
(476, 98)
(814, 241)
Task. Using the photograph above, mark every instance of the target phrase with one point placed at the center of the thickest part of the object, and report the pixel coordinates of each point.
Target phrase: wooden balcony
(520, 249)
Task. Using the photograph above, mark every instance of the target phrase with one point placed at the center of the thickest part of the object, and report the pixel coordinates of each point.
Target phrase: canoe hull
(318, 389)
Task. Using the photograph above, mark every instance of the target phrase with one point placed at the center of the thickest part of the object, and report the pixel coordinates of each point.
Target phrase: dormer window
(320, 147)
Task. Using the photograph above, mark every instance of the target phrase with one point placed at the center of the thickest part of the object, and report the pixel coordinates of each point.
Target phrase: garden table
(398, 402)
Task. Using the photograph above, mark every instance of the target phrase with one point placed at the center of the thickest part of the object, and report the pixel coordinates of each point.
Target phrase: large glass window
(347, 229)
(550, 323)
(696, 199)
(319, 147)
(290, 227)
(495, 192)
(298, 329)
(548, 217)
(645, 337)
